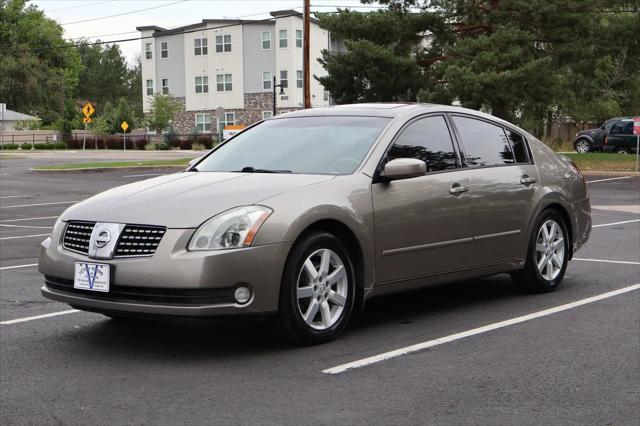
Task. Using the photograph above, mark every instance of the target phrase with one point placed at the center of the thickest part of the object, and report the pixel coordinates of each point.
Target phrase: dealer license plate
(92, 276)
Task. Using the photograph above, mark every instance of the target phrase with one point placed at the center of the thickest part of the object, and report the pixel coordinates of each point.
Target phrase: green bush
(57, 145)
(10, 146)
(162, 147)
(26, 146)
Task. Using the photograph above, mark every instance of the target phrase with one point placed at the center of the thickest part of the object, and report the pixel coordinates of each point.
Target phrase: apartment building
(231, 64)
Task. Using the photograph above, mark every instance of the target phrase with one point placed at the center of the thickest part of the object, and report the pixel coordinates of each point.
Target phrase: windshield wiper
(250, 169)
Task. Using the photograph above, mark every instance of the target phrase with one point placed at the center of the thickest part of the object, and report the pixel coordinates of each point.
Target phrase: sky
(99, 22)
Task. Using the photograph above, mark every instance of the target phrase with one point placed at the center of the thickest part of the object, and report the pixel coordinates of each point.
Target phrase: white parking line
(146, 174)
(40, 204)
(457, 336)
(616, 223)
(24, 226)
(52, 314)
(621, 262)
(16, 196)
(25, 236)
(29, 218)
(4, 268)
(608, 179)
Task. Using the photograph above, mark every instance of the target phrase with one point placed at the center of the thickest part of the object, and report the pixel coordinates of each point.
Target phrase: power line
(124, 13)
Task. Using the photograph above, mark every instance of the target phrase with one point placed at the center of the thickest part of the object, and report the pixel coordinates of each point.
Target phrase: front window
(203, 123)
(165, 86)
(223, 83)
(164, 50)
(266, 40)
(311, 145)
(149, 87)
(284, 81)
(299, 80)
(202, 84)
(298, 38)
(223, 43)
(267, 79)
(200, 46)
(147, 51)
(283, 38)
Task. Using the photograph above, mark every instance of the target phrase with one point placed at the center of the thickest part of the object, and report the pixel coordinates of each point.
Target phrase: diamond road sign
(88, 110)
(124, 126)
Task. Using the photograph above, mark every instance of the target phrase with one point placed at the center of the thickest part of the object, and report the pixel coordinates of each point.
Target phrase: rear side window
(518, 146)
(622, 128)
(429, 140)
(485, 144)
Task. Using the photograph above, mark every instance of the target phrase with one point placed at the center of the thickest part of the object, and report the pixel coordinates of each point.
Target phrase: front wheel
(317, 292)
(582, 146)
(548, 254)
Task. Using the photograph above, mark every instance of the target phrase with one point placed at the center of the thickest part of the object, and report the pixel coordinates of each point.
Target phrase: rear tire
(317, 292)
(622, 151)
(547, 256)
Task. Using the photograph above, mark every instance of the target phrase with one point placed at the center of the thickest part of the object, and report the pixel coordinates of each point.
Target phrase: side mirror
(193, 162)
(404, 168)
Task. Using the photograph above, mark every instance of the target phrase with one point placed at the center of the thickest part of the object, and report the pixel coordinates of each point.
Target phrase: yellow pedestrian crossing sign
(86, 120)
(88, 110)
(124, 126)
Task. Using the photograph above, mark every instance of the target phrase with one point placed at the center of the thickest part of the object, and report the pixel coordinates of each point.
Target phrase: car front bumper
(173, 281)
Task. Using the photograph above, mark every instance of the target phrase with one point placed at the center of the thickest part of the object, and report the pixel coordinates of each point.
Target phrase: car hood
(185, 200)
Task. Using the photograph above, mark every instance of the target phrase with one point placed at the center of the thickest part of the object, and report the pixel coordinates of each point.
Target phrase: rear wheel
(582, 146)
(318, 290)
(621, 151)
(547, 256)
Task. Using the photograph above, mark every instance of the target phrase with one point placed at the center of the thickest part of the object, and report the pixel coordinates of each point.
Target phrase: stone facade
(254, 105)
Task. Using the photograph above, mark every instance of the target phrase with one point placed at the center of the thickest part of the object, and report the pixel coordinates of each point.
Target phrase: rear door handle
(526, 180)
(457, 189)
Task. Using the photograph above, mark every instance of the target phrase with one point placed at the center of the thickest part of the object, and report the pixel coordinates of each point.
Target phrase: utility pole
(305, 52)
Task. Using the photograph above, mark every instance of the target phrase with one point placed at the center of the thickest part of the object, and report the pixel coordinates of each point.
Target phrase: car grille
(119, 293)
(77, 236)
(139, 240)
(135, 240)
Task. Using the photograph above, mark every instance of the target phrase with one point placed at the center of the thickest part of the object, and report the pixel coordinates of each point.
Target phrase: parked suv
(621, 139)
(595, 139)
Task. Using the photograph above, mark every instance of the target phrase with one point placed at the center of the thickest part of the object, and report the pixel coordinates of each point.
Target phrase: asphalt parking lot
(578, 364)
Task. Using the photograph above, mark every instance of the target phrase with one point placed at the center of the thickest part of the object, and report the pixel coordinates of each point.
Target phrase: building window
(165, 86)
(266, 40)
(267, 114)
(267, 78)
(223, 83)
(299, 79)
(147, 51)
(200, 46)
(203, 123)
(326, 95)
(223, 43)
(149, 87)
(228, 119)
(283, 38)
(164, 49)
(283, 79)
(298, 38)
(202, 84)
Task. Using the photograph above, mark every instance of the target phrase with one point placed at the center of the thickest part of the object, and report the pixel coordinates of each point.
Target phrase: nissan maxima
(305, 216)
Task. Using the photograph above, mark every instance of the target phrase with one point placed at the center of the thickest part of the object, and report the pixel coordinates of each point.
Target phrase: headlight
(231, 229)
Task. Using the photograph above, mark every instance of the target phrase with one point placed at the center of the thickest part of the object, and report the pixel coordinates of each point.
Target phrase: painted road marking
(473, 332)
(616, 223)
(4, 268)
(25, 236)
(25, 226)
(608, 179)
(621, 262)
(28, 218)
(40, 204)
(53, 314)
(17, 196)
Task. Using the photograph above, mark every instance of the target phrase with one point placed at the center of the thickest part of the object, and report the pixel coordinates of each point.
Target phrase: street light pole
(274, 93)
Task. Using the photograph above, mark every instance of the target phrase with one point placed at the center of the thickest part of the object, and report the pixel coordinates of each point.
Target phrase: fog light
(242, 295)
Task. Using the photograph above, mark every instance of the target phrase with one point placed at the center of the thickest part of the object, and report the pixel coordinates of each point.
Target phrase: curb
(106, 169)
(605, 173)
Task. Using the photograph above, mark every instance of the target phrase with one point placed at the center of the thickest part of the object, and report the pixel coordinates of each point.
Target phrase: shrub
(57, 145)
(10, 146)
(186, 144)
(162, 147)
(205, 140)
(139, 143)
(26, 146)
(197, 147)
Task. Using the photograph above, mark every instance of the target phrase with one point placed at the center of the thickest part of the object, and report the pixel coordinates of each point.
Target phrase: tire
(622, 151)
(317, 299)
(582, 146)
(546, 278)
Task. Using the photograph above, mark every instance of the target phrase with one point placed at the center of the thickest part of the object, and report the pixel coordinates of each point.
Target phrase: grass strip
(116, 164)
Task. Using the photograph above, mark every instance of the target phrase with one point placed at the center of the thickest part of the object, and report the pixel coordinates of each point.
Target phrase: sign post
(636, 131)
(3, 108)
(88, 111)
(124, 127)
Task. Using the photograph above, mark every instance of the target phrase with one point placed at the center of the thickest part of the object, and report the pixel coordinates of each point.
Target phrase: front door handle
(457, 189)
(526, 180)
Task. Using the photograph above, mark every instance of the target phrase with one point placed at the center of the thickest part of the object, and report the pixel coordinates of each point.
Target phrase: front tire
(582, 146)
(317, 292)
(547, 256)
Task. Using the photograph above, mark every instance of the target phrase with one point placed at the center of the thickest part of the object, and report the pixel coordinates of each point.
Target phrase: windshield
(313, 145)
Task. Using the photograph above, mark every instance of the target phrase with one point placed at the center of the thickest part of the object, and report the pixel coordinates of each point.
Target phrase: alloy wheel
(582, 146)
(550, 250)
(322, 289)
